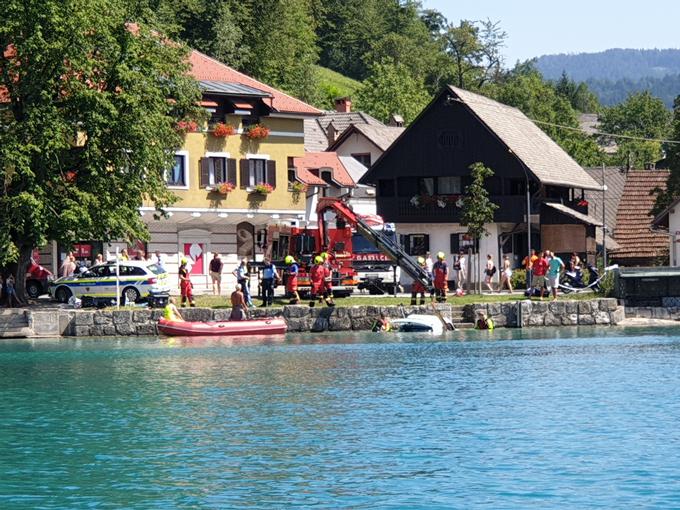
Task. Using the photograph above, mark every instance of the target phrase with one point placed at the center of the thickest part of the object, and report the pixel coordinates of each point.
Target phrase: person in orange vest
(292, 270)
(316, 277)
(440, 272)
(417, 287)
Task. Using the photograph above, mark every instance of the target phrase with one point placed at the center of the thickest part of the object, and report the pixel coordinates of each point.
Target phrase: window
(131, 271)
(407, 186)
(257, 171)
(416, 244)
(386, 187)
(327, 176)
(291, 178)
(217, 170)
(426, 186)
(364, 159)
(177, 175)
(448, 185)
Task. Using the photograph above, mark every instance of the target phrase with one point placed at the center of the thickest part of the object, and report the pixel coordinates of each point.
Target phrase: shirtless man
(239, 308)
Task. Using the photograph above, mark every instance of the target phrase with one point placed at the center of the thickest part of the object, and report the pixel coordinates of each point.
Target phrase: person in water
(383, 324)
(239, 308)
(170, 312)
(483, 322)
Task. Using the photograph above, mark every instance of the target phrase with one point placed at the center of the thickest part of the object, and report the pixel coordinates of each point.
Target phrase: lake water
(504, 419)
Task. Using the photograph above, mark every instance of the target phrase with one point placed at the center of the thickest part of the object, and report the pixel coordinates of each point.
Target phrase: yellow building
(232, 175)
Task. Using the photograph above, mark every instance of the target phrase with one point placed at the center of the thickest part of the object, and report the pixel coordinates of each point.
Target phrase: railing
(510, 209)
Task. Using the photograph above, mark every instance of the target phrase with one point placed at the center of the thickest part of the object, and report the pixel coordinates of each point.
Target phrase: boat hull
(257, 327)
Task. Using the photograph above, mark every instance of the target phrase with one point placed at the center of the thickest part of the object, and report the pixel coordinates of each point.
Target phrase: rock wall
(653, 312)
(523, 314)
(305, 319)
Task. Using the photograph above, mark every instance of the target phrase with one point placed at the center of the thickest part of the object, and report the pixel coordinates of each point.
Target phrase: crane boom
(381, 241)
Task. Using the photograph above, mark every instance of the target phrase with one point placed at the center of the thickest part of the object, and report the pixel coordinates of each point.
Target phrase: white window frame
(185, 155)
(211, 174)
(251, 177)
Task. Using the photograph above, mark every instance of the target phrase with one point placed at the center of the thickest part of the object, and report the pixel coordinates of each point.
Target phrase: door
(245, 240)
(194, 253)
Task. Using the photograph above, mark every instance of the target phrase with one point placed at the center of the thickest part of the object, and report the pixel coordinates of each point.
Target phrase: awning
(583, 218)
(209, 104)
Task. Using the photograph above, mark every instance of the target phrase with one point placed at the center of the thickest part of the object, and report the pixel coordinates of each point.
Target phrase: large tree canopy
(89, 109)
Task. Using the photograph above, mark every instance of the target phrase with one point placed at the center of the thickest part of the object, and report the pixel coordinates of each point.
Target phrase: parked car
(137, 279)
(37, 280)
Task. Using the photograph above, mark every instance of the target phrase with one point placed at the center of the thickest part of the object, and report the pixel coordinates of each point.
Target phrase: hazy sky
(543, 27)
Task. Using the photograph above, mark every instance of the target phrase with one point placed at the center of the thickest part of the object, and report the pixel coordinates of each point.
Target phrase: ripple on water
(349, 421)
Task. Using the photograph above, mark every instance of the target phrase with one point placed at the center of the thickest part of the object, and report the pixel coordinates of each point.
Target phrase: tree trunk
(25, 253)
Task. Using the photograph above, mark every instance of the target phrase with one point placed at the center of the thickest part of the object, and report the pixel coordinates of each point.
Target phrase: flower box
(222, 130)
(186, 126)
(256, 132)
(298, 187)
(225, 187)
(263, 188)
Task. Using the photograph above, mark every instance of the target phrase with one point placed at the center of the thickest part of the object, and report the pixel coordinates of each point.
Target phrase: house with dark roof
(638, 242)
(420, 180)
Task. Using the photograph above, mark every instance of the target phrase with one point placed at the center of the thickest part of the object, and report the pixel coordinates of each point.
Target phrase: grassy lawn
(223, 301)
(347, 86)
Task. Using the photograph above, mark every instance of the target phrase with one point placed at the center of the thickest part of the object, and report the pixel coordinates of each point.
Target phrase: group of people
(438, 272)
(320, 276)
(544, 270)
(71, 265)
(8, 292)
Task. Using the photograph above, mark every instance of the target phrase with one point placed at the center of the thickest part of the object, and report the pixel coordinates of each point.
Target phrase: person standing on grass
(461, 267)
(243, 278)
(506, 274)
(555, 268)
(269, 276)
(185, 285)
(528, 264)
(440, 273)
(489, 272)
(292, 270)
(539, 269)
(216, 266)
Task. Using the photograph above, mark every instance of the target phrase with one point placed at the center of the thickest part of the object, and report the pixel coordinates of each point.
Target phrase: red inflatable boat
(224, 328)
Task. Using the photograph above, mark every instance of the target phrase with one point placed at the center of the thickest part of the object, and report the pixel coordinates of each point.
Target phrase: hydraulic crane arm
(383, 242)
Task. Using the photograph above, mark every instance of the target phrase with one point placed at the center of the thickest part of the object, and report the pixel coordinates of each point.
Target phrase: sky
(545, 27)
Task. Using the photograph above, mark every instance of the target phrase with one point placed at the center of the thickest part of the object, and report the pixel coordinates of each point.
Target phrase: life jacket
(168, 313)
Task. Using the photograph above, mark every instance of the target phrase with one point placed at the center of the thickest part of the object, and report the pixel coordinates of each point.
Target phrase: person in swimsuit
(239, 308)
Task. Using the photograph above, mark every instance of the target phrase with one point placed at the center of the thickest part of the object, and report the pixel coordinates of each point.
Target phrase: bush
(519, 279)
(607, 284)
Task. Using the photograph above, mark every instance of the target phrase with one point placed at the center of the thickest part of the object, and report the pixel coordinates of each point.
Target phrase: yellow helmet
(289, 259)
(441, 256)
(184, 260)
(324, 255)
(318, 259)
(421, 261)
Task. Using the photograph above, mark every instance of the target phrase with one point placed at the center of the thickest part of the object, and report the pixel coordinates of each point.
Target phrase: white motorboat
(415, 323)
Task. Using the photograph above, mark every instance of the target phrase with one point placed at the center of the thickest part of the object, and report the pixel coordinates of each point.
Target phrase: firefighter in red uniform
(327, 278)
(440, 272)
(292, 279)
(316, 277)
(418, 287)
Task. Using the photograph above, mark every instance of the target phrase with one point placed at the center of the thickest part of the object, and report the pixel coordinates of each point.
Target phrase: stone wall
(653, 312)
(523, 314)
(305, 319)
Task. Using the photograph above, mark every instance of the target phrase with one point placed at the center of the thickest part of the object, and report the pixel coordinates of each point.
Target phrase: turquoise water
(494, 421)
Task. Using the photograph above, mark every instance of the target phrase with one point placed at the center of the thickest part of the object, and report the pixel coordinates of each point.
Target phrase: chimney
(396, 120)
(331, 134)
(343, 105)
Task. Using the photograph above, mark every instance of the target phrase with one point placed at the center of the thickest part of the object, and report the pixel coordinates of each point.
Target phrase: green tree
(579, 95)
(672, 191)
(89, 127)
(478, 209)
(641, 115)
(391, 89)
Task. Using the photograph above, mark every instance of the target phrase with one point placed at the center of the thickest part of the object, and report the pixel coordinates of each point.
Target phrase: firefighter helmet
(289, 259)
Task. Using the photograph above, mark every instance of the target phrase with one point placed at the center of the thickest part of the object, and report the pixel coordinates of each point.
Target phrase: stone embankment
(61, 322)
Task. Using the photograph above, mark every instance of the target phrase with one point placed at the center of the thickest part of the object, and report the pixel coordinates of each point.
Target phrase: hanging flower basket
(439, 200)
(225, 188)
(186, 126)
(257, 132)
(298, 187)
(263, 188)
(222, 130)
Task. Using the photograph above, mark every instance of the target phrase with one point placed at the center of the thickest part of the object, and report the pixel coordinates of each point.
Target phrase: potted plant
(225, 187)
(298, 187)
(256, 132)
(263, 188)
(222, 130)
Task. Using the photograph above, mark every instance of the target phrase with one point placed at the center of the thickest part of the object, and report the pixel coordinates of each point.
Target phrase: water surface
(552, 418)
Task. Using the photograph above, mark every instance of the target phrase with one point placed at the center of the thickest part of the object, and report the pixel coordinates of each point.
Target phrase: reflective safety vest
(168, 313)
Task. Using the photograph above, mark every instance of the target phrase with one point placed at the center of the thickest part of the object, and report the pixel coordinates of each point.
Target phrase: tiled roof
(634, 219)
(584, 218)
(541, 155)
(316, 129)
(205, 68)
(355, 169)
(380, 135)
(322, 160)
(614, 179)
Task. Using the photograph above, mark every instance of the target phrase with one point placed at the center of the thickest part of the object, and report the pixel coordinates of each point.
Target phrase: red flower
(582, 203)
(257, 132)
(263, 187)
(186, 126)
(222, 130)
(225, 187)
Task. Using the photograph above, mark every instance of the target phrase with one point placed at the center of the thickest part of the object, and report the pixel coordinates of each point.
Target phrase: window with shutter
(217, 171)
(204, 177)
(244, 177)
(271, 172)
(231, 171)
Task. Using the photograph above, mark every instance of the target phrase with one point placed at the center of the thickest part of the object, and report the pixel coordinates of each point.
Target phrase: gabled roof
(355, 169)
(322, 160)
(634, 219)
(615, 180)
(662, 217)
(549, 163)
(205, 68)
(231, 89)
(316, 130)
(379, 135)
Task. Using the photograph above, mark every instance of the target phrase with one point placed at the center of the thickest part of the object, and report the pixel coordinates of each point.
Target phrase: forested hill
(615, 74)
(614, 64)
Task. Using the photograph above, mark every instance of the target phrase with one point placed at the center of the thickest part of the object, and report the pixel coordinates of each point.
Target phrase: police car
(137, 279)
